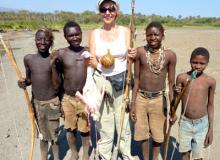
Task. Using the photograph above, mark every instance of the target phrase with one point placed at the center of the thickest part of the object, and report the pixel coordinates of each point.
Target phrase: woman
(112, 40)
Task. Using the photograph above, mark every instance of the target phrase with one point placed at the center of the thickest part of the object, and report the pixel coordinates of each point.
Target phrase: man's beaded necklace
(155, 65)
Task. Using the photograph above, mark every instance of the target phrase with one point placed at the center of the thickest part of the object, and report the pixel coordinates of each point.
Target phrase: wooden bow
(126, 98)
(31, 113)
(173, 112)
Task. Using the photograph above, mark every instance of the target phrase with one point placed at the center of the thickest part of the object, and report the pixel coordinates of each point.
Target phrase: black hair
(200, 51)
(155, 24)
(48, 33)
(71, 24)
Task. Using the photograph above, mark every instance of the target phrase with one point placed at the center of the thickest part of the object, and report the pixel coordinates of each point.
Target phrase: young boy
(73, 70)
(39, 76)
(196, 122)
(152, 64)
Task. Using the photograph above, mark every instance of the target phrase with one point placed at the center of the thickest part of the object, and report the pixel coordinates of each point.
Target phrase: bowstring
(124, 99)
(10, 104)
(124, 83)
(181, 117)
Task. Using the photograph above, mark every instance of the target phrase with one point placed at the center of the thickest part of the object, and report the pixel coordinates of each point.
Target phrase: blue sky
(204, 8)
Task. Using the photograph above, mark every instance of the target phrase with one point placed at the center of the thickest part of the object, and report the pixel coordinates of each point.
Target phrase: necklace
(155, 64)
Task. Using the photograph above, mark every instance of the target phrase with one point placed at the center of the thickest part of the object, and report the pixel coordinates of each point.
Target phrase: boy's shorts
(150, 118)
(48, 114)
(75, 114)
(192, 135)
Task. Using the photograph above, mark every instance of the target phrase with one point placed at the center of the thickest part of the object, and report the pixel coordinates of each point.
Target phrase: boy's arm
(210, 108)
(136, 86)
(177, 90)
(171, 74)
(56, 67)
(26, 81)
(93, 60)
(86, 56)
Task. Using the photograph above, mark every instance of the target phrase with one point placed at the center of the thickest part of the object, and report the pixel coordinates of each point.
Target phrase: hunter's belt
(149, 94)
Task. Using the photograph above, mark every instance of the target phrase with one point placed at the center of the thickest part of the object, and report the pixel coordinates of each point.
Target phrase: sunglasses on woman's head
(105, 9)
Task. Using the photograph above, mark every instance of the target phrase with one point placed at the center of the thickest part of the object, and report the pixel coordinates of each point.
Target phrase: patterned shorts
(48, 114)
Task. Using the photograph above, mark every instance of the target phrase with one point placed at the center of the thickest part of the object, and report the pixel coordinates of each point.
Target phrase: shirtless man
(196, 122)
(38, 75)
(74, 71)
(152, 64)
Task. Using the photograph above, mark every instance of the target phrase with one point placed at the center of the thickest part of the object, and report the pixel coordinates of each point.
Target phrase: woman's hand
(132, 52)
(93, 61)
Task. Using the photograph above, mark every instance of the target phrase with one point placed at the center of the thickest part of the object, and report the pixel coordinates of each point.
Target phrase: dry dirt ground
(15, 133)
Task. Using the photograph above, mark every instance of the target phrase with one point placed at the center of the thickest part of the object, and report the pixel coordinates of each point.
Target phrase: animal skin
(92, 96)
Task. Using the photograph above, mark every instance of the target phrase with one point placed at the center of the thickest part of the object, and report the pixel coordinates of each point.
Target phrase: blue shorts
(192, 133)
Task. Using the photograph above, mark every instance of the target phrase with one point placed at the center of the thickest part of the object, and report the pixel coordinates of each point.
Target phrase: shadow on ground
(135, 146)
(173, 153)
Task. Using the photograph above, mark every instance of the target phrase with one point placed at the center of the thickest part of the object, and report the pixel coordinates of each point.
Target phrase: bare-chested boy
(73, 71)
(196, 122)
(39, 76)
(152, 64)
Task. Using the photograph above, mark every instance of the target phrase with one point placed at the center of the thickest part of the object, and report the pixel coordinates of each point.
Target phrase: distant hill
(4, 9)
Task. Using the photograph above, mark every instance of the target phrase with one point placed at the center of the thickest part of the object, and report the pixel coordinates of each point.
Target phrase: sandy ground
(15, 133)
